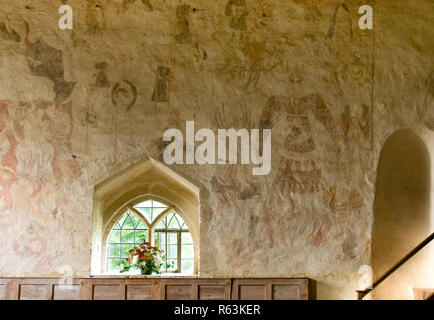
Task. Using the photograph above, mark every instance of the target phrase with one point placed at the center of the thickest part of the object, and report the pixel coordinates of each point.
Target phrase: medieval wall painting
(320, 139)
(124, 97)
(183, 35)
(356, 124)
(300, 165)
(46, 61)
(101, 78)
(8, 33)
(96, 16)
(162, 85)
(236, 10)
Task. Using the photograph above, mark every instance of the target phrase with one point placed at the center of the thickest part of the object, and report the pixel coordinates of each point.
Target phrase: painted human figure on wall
(300, 167)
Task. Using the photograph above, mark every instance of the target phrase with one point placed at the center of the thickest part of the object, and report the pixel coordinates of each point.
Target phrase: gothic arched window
(153, 221)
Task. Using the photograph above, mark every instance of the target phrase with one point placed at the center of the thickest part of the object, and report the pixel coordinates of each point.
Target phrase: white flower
(157, 260)
(135, 259)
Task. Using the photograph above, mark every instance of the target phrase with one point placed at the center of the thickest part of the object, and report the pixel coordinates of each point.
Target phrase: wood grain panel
(106, 292)
(65, 292)
(33, 292)
(139, 292)
(2, 291)
(211, 292)
(178, 292)
(252, 292)
(285, 292)
(158, 288)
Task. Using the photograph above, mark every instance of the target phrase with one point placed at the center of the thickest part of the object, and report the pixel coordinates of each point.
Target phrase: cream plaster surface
(78, 107)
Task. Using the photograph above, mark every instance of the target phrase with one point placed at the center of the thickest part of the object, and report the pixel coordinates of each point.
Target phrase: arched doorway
(403, 213)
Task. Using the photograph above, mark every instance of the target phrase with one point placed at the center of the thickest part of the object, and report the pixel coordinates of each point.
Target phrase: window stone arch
(147, 179)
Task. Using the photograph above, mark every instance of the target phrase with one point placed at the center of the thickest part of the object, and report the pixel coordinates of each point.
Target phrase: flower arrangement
(145, 257)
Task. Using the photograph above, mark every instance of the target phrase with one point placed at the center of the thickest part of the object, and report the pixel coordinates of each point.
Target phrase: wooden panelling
(251, 292)
(285, 292)
(271, 289)
(2, 291)
(158, 288)
(65, 292)
(33, 292)
(106, 292)
(211, 292)
(139, 291)
(178, 292)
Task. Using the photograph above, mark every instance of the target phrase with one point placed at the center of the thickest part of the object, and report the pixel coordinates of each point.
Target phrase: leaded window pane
(127, 233)
(150, 209)
(115, 236)
(170, 235)
(187, 265)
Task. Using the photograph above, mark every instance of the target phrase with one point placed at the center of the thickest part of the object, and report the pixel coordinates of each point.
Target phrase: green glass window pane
(173, 238)
(158, 211)
(162, 224)
(117, 226)
(128, 223)
(180, 220)
(172, 251)
(147, 213)
(187, 266)
(114, 250)
(135, 220)
(141, 236)
(173, 222)
(115, 236)
(127, 236)
(186, 238)
(187, 251)
(141, 225)
(125, 249)
(174, 264)
(163, 241)
(157, 239)
(113, 265)
(122, 219)
(160, 241)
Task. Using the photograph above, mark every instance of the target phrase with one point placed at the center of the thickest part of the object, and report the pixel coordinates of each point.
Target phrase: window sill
(158, 276)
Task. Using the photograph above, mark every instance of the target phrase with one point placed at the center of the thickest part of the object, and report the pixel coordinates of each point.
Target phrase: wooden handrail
(362, 293)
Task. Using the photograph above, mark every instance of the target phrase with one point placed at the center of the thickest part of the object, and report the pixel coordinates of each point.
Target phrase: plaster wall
(79, 106)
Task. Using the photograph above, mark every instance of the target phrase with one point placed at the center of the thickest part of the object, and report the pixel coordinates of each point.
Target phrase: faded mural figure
(46, 61)
(7, 33)
(237, 11)
(335, 20)
(31, 246)
(183, 35)
(26, 182)
(233, 183)
(356, 125)
(124, 97)
(95, 16)
(101, 78)
(300, 170)
(148, 5)
(162, 85)
(342, 203)
(262, 13)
